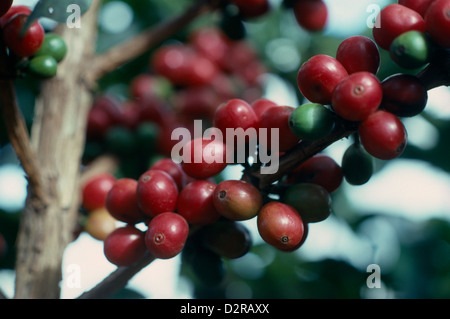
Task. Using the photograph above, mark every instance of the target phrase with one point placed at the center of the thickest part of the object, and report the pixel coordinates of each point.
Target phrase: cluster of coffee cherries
(34, 51)
(187, 81)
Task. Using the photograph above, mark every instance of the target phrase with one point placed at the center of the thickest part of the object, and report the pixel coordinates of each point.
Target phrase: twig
(116, 280)
(138, 45)
(16, 127)
(436, 74)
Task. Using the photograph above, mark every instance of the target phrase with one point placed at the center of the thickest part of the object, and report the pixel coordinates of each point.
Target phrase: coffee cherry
(404, 95)
(157, 193)
(277, 117)
(318, 77)
(252, 8)
(54, 46)
(99, 223)
(357, 96)
(173, 169)
(23, 45)
(203, 158)
(3, 246)
(195, 203)
(262, 104)
(166, 235)
(122, 203)
(95, 190)
(211, 42)
(234, 114)
(437, 20)
(383, 135)
(311, 14)
(311, 121)
(124, 246)
(411, 50)
(280, 226)
(311, 201)
(359, 53)
(393, 20)
(5, 5)
(228, 239)
(237, 200)
(420, 6)
(357, 165)
(43, 66)
(12, 12)
(319, 169)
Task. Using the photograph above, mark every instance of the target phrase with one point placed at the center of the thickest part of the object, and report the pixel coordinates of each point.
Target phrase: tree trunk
(57, 137)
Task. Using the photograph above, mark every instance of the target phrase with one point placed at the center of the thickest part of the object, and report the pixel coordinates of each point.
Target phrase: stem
(116, 280)
(436, 74)
(138, 45)
(15, 125)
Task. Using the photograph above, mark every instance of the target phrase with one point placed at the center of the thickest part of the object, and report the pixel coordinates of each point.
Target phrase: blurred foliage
(422, 268)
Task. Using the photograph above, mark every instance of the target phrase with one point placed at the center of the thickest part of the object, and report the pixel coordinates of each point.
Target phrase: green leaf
(57, 10)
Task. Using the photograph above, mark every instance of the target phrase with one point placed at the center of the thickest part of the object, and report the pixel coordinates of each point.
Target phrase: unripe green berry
(54, 46)
(311, 121)
(44, 66)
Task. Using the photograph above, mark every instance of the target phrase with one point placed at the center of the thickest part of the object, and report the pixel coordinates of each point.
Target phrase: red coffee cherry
(206, 159)
(98, 123)
(12, 12)
(311, 14)
(358, 96)
(234, 114)
(262, 104)
(95, 190)
(319, 169)
(383, 135)
(28, 44)
(281, 226)
(393, 20)
(359, 53)
(122, 203)
(124, 246)
(212, 43)
(173, 169)
(5, 5)
(157, 192)
(237, 200)
(166, 235)
(420, 6)
(195, 203)
(437, 20)
(252, 8)
(277, 117)
(404, 95)
(318, 77)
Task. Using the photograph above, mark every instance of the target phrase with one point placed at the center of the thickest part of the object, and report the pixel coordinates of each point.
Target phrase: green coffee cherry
(311, 121)
(357, 165)
(411, 50)
(54, 46)
(44, 66)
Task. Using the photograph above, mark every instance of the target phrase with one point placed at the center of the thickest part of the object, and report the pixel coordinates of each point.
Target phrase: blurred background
(399, 220)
